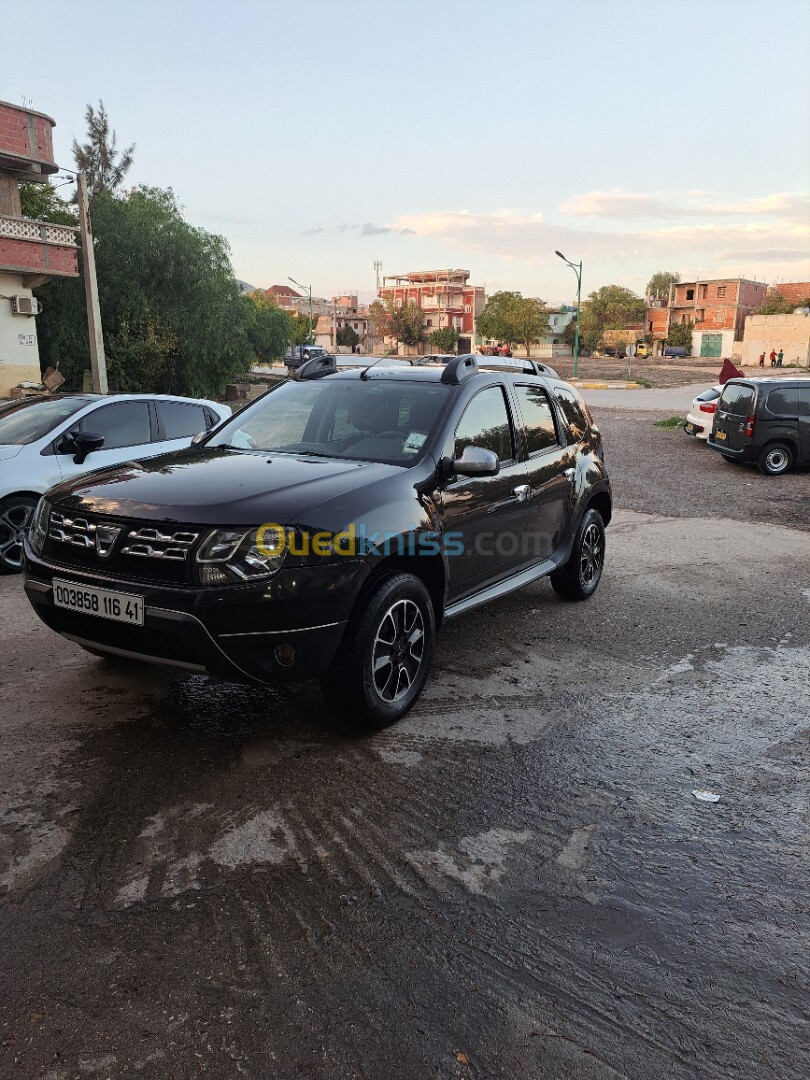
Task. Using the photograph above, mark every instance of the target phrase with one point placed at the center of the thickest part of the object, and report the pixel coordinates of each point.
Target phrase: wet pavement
(515, 881)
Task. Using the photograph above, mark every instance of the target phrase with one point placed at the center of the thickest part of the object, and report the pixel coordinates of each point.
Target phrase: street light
(308, 289)
(577, 268)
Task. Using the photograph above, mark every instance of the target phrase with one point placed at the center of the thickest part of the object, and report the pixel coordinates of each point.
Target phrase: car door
(180, 421)
(130, 432)
(804, 424)
(487, 514)
(779, 416)
(734, 406)
(550, 464)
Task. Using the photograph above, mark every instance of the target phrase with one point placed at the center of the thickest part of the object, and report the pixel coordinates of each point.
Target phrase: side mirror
(86, 442)
(474, 461)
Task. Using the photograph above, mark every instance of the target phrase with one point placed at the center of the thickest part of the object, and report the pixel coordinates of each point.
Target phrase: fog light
(285, 655)
(212, 575)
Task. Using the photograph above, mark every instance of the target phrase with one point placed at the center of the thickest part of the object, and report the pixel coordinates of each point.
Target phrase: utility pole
(98, 361)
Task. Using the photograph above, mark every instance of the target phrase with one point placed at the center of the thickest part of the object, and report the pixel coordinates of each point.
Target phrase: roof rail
(516, 363)
(460, 367)
(316, 368)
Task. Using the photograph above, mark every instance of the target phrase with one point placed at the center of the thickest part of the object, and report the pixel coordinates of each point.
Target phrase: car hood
(217, 486)
(7, 452)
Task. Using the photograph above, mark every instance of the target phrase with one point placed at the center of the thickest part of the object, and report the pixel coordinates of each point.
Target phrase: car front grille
(115, 547)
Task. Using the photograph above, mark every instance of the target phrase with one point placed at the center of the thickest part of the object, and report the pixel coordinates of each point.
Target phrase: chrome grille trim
(158, 537)
(146, 551)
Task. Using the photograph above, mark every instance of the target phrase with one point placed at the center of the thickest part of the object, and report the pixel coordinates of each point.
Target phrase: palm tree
(99, 158)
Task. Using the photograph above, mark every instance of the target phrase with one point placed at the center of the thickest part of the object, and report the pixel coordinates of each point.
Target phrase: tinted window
(783, 401)
(126, 424)
(804, 401)
(486, 423)
(737, 399)
(573, 413)
(537, 418)
(708, 395)
(24, 422)
(182, 421)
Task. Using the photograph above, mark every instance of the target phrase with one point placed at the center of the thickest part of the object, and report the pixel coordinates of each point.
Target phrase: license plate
(721, 435)
(104, 603)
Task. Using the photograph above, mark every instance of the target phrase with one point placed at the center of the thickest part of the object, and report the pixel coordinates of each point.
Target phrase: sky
(319, 137)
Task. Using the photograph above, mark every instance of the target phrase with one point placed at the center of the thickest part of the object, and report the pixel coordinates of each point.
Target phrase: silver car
(45, 440)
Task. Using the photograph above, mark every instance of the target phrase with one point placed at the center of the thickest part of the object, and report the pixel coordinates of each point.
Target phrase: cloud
(719, 247)
(311, 232)
(638, 206)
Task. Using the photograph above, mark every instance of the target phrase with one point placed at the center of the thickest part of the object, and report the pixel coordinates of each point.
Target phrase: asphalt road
(516, 881)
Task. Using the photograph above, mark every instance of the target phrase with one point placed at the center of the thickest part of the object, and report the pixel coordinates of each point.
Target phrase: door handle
(522, 492)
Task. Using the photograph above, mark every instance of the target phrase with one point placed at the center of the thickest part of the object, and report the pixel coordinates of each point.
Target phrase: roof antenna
(366, 370)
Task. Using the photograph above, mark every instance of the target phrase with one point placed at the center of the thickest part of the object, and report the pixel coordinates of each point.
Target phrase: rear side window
(737, 399)
(804, 401)
(126, 424)
(486, 423)
(573, 411)
(181, 421)
(783, 401)
(538, 418)
(708, 395)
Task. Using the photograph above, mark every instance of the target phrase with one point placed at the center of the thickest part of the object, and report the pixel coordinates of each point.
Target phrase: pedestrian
(773, 357)
(780, 357)
(762, 359)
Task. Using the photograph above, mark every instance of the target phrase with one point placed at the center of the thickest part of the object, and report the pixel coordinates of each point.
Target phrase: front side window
(23, 422)
(486, 423)
(366, 420)
(124, 424)
(538, 419)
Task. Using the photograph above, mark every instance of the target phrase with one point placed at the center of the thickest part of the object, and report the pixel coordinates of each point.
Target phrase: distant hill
(243, 285)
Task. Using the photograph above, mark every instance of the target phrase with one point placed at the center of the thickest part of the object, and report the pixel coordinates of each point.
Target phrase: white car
(700, 419)
(45, 440)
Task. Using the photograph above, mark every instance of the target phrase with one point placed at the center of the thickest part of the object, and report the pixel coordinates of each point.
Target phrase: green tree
(408, 323)
(270, 329)
(381, 315)
(610, 308)
(300, 328)
(776, 304)
(347, 336)
(173, 316)
(444, 339)
(41, 202)
(99, 158)
(510, 317)
(680, 334)
(659, 284)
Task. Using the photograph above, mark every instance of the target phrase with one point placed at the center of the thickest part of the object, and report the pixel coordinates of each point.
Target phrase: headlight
(39, 525)
(228, 555)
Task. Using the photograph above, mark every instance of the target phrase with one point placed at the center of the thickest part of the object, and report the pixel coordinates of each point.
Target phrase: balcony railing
(42, 231)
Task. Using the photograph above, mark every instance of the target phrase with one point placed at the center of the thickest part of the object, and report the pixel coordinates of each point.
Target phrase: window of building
(690, 294)
(720, 317)
(429, 322)
(704, 291)
(649, 325)
(721, 291)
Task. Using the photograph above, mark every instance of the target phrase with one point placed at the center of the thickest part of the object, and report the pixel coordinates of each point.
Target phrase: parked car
(676, 351)
(766, 421)
(330, 527)
(297, 355)
(700, 418)
(45, 440)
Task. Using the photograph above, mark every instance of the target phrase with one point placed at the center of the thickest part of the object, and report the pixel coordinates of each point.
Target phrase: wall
(726, 346)
(795, 291)
(765, 332)
(19, 351)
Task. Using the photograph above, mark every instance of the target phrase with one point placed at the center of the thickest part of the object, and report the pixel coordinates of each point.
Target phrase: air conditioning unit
(25, 305)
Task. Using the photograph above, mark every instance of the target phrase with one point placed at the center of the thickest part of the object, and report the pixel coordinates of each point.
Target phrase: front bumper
(234, 632)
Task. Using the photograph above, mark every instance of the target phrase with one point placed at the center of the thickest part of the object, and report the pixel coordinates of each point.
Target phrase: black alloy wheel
(580, 576)
(382, 664)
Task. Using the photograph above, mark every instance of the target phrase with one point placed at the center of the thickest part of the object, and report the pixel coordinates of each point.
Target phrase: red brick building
(445, 296)
(797, 292)
(31, 252)
(716, 310)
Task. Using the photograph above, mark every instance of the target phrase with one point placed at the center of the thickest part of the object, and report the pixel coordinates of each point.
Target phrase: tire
(579, 578)
(775, 459)
(15, 516)
(396, 608)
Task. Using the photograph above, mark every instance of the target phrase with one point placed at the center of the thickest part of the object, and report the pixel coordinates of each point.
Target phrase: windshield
(373, 420)
(28, 421)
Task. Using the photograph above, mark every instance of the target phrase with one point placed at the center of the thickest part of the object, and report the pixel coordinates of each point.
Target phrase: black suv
(330, 527)
(766, 421)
